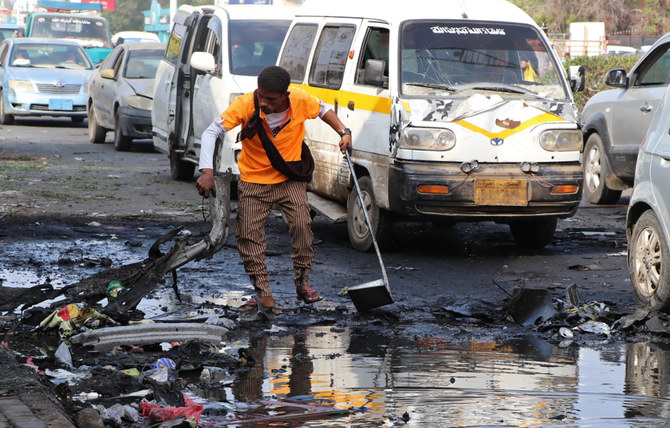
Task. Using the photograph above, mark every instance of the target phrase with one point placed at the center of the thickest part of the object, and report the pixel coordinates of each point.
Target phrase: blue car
(43, 77)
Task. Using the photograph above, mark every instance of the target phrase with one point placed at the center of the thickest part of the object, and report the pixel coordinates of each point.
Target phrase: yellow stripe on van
(543, 118)
(361, 101)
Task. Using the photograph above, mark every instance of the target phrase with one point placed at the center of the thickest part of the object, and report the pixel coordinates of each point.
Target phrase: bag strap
(298, 171)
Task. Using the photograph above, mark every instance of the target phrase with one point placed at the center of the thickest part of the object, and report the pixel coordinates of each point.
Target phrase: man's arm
(205, 182)
(345, 137)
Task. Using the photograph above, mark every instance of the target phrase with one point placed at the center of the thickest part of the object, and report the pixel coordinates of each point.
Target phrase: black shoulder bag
(295, 170)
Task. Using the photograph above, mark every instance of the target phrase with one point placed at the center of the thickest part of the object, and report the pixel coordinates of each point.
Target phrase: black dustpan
(374, 293)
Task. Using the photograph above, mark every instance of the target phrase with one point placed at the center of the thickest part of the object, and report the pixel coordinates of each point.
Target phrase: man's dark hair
(274, 79)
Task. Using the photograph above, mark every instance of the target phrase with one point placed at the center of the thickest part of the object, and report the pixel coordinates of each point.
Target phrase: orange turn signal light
(432, 188)
(564, 189)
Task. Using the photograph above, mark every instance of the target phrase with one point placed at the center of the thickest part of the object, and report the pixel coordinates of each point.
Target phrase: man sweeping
(275, 167)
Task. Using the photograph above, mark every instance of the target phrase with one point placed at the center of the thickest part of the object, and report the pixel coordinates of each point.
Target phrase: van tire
(596, 171)
(179, 169)
(534, 233)
(96, 133)
(5, 119)
(359, 234)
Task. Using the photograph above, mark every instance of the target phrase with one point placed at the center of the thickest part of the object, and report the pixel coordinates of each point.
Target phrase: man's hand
(205, 183)
(345, 143)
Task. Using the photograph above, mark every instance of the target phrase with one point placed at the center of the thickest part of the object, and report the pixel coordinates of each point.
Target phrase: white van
(460, 111)
(239, 41)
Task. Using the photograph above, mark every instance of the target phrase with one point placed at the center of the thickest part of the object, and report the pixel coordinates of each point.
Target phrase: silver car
(43, 77)
(120, 94)
(615, 122)
(648, 219)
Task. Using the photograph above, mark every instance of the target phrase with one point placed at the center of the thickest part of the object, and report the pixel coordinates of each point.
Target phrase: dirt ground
(57, 193)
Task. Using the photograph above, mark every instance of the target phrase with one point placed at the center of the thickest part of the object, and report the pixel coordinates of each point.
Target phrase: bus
(91, 32)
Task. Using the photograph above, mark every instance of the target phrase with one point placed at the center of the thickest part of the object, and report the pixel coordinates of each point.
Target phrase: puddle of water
(524, 382)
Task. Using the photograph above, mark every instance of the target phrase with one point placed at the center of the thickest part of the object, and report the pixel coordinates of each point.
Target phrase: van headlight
(427, 139)
(562, 140)
(141, 103)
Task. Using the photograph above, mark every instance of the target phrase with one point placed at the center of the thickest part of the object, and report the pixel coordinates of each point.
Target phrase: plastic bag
(156, 413)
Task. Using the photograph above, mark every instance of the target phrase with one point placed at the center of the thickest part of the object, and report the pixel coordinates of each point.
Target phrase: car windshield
(452, 56)
(255, 45)
(88, 31)
(49, 56)
(142, 64)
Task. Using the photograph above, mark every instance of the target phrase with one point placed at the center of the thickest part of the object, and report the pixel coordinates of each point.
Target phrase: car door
(103, 100)
(636, 105)
(165, 87)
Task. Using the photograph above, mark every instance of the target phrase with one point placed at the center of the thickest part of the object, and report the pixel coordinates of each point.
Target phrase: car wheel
(5, 119)
(649, 263)
(533, 233)
(596, 171)
(96, 133)
(180, 169)
(359, 233)
(121, 142)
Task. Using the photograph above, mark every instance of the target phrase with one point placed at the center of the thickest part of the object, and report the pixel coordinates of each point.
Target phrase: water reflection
(525, 381)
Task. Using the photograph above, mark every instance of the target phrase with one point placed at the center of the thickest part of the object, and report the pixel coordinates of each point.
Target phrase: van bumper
(540, 197)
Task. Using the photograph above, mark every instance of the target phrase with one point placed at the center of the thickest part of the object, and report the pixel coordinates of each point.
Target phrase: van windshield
(453, 56)
(255, 44)
(88, 31)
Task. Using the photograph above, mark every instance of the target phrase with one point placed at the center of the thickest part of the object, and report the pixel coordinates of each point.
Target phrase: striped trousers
(254, 204)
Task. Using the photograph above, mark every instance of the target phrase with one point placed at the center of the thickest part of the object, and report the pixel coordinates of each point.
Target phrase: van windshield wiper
(442, 86)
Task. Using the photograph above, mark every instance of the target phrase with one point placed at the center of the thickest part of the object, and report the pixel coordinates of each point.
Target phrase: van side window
(376, 47)
(331, 56)
(296, 51)
(213, 43)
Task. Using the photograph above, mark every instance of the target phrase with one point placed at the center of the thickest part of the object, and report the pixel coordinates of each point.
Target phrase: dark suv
(616, 121)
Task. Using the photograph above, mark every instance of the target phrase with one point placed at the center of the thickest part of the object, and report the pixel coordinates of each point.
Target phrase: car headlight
(427, 139)
(562, 140)
(22, 85)
(142, 103)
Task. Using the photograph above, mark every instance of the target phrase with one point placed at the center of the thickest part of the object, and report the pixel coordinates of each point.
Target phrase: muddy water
(524, 382)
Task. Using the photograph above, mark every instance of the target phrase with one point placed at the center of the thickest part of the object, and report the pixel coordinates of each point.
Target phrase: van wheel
(533, 233)
(359, 233)
(5, 119)
(596, 172)
(180, 169)
(648, 262)
(121, 142)
(96, 133)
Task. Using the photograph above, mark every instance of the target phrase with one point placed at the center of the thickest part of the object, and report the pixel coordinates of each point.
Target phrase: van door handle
(645, 109)
(350, 105)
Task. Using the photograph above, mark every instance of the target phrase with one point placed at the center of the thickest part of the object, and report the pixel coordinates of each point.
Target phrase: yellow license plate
(501, 192)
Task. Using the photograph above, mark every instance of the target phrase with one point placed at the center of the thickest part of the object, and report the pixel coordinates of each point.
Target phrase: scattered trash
(63, 354)
(113, 289)
(69, 319)
(596, 327)
(163, 362)
(573, 295)
(156, 413)
(530, 307)
(566, 333)
(117, 414)
(71, 256)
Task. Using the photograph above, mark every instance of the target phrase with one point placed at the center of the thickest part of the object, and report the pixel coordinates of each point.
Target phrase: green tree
(129, 14)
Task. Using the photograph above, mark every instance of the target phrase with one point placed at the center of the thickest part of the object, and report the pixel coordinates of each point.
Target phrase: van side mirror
(203, 61)
(617, 78)
(577, 77)
(374, 73)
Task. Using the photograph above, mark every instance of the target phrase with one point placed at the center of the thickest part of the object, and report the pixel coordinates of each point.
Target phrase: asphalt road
(50, 174)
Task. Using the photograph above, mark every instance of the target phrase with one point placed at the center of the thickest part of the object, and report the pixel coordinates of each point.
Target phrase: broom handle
(367, 219)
